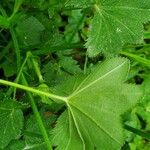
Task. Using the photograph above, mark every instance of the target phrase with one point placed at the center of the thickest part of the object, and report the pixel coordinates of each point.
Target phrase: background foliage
(55, 45)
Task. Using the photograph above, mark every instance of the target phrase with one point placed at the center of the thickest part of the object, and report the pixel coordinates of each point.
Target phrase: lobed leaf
(11, 122)
(92, 119)
(29, 31)
(117, 22)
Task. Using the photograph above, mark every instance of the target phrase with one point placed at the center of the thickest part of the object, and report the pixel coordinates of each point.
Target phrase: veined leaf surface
(117, 22)
(92, 119)
(11, 122)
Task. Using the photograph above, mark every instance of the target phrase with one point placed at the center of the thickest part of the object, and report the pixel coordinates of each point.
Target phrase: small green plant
(65, 84)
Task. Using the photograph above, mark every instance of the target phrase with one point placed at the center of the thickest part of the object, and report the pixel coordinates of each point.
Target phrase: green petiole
(35, 91)
(137, 58)
(38, 117)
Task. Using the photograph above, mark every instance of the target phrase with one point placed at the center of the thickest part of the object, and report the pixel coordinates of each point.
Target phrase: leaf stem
(16, 46)
(37, 116)
(30, 89)
(85, 63)
(137, 58)
(36, 68)
(10, 90)
(3, 12)
(16, 8)
(137, 131)
(20, 72)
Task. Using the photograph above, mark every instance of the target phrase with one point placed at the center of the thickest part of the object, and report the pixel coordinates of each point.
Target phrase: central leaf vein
(95, 122)
(100, 78)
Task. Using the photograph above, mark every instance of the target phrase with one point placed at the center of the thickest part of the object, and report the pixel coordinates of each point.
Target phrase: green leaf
(11, 122)
(53, 44)
(44, 99)
(40, 4)
(30, 31)
(75, 23)
(32, 135)
(4, 23)
(31, 141)
(22, 145)
(92, 119)
(9, 68)
(69, 65)
(117, 22)
(54, 73)
(78, 3)
(16, 145)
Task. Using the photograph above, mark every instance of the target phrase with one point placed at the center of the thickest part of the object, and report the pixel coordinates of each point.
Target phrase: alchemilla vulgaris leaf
(11, 121)
(117, 22)
(92, 119)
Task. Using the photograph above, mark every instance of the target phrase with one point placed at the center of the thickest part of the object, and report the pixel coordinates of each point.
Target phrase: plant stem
(10, 90)
(19, 74)
(137, 58)
(14, 38)
(38, 92)
(37, 116)
(16, 8)
(85, 64)
(36, 68)
(3, 12)
(16, 46)
(137, 131)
